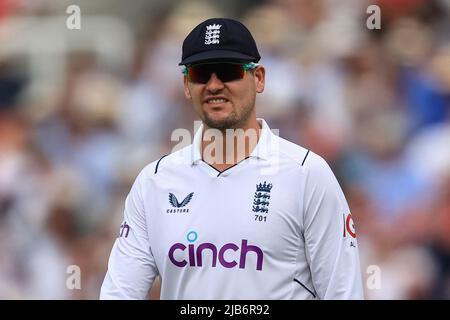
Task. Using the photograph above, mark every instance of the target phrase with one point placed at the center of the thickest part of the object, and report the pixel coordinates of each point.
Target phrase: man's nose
(214, 84)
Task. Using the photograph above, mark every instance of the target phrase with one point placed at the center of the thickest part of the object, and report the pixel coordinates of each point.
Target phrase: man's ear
(187, 93)
(260, 79)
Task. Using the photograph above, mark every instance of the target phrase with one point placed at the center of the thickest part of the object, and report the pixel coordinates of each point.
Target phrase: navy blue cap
(219, 39)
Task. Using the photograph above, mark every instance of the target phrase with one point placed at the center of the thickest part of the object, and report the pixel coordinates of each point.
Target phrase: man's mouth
(216, 100)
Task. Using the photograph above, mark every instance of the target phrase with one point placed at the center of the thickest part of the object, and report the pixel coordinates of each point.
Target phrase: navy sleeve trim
(305, 287)
(157, 164)
(305, 158)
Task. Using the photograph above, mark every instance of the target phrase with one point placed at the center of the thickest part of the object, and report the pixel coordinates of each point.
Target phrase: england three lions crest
(262, 197)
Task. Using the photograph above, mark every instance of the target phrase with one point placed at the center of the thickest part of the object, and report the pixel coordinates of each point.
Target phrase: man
(234, 216)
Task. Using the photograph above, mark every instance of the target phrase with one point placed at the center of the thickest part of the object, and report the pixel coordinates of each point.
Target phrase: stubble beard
(232, 121)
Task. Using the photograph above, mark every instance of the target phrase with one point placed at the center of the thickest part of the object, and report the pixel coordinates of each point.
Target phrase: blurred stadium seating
(82, 111)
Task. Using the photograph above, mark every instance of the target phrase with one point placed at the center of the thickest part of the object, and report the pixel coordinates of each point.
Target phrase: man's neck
(223, 149)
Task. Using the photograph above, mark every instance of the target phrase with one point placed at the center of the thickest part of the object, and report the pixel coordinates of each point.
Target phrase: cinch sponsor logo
(195, 253)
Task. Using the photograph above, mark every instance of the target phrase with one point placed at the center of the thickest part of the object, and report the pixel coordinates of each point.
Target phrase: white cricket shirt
(274, 226)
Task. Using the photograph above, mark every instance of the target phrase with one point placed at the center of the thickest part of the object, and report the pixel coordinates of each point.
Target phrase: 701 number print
(260, 218)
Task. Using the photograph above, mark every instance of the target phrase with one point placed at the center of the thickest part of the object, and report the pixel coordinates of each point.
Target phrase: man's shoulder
(300, 155)
(292, 151)
(167, 161)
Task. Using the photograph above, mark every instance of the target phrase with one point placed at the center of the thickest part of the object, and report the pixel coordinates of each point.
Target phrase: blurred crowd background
(83, 111)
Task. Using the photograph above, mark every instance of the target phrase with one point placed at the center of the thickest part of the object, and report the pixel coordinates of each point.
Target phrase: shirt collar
(263, 149)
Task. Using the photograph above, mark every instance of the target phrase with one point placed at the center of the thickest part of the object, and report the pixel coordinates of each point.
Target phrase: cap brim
(216, 55)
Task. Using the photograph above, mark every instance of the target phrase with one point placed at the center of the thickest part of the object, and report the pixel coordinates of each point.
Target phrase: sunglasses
(226, 71)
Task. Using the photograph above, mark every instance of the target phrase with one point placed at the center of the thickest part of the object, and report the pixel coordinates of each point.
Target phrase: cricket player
(234, 216)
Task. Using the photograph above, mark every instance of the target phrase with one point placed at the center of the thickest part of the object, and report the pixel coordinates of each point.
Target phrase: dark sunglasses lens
(230, 72)
(224, 71)
(199, 74)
